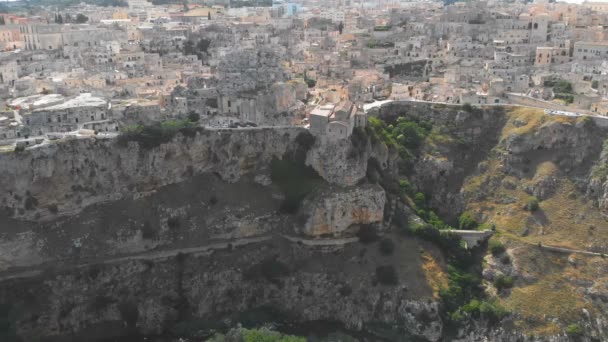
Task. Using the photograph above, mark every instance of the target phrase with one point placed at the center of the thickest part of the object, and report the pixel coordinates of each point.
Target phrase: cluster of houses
(314, 62)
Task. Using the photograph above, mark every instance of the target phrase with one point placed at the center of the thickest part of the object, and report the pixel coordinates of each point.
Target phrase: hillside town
(94, 67)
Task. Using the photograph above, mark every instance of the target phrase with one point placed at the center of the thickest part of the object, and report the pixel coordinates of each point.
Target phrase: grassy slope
(565, 219)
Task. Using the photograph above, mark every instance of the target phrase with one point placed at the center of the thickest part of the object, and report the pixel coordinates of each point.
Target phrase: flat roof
(82, 100)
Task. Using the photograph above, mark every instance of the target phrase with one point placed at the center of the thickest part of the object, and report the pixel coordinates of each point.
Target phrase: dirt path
(33, 271)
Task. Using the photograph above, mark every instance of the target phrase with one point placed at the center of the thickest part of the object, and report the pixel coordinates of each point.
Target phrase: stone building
(336, 122)
(58, 114)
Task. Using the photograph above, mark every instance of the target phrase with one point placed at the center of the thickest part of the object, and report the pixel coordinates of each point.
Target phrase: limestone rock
(336, 210)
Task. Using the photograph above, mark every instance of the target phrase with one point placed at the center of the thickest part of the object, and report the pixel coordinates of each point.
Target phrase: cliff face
(184, 291)
(63, 178)
(100, 239)
(334, 212)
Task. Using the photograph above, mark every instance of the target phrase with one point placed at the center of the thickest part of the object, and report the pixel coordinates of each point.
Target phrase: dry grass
(529, 119)
(546, 168)
(551, 297)
(434, 273)
(565, 219)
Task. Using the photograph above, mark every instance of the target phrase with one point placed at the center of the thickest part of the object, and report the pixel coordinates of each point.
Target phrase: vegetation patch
(367, 234)
(255, 335)
(270, 269)
(387, 275)
(386, 246)
(156, 134)
(496, 247)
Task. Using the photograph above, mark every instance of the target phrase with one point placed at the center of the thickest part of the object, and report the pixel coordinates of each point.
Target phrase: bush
(387, 275)
(386, 246)
(406, 187)
(472, 308)
(270, 269)
(345, 290)
(574, 330)
(420, 200)
(503, 282)
(153, 135)
(492, 311)
(194, 117)
(367, 234)
(532, 204)
(53, 208)
(466, 221)
(19, 148)
(30, 203)
(496, 247)
(467, 107)
(173, 222)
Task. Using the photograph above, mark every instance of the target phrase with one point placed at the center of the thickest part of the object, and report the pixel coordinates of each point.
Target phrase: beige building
(590, 51)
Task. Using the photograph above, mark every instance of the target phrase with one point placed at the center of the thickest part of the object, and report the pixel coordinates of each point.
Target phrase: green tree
(420, 200)
(466, 221)
(532, 204)
(340, 27)
(194, 117)
(59, 19)
(209, 15)
(81, 18)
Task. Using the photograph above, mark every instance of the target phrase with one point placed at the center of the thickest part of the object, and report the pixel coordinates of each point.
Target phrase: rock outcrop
(335, 210)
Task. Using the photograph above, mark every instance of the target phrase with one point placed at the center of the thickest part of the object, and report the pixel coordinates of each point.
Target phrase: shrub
(99, 303)
(467, 221)
(492, 311)
(194, 117)
(153, 135)
(532, 204)
(496, 247)
(345, 290)
(503, 282)
(19, 148)
(148, 232)
(420, 200)
(30, 203)
(594, 84)
(405, 186)
(173, 222)
(467, 107)
(472, 308)
(53, 208)
(386, 246)
(367, 234)
(387, 275)
(129, 313)
(254, 335)
(270, 269)
(574, 330)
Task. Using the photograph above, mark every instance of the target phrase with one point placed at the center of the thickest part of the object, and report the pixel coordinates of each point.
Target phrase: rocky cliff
(199, 233)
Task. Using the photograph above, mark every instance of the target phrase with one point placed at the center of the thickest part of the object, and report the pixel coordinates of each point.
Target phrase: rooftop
(82, 100)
